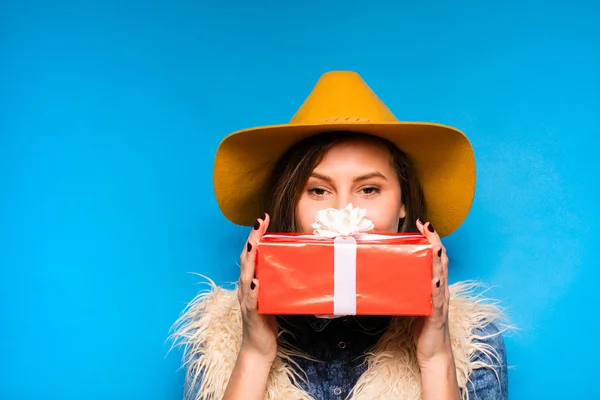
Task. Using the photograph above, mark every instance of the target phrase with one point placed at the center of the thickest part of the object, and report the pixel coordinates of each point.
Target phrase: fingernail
(439, 252)
(249, 247)
(256, 225)
(437, 284)
(264, 216)
(419, 221)
(252, 285)
(430, 227)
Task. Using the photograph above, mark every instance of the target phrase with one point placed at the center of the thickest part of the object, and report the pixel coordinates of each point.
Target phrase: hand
(259, 331)
(432, 334)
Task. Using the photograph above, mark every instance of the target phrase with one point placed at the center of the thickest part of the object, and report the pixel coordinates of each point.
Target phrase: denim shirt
(340, 345)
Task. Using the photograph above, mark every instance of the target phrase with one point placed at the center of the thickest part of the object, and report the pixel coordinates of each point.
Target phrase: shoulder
(489, 379)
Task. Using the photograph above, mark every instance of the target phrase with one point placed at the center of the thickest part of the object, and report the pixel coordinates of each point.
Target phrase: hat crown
(340, 97)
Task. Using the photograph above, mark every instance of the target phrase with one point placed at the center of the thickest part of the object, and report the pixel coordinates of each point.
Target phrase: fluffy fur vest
(210, 330)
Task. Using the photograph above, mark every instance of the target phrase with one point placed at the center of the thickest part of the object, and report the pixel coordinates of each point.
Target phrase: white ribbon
(344, 275)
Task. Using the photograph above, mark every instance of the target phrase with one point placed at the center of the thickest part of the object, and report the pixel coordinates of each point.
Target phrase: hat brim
(442, 156)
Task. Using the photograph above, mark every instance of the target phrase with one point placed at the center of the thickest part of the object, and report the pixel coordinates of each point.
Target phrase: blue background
(110, 114)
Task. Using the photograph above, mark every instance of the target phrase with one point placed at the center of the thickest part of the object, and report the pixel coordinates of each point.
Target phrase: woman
(344, 146)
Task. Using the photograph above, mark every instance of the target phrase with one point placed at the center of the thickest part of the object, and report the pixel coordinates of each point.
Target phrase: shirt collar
(318, 324)
(365, 322)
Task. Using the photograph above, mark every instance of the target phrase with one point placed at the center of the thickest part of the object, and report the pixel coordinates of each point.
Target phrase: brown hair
(294, 167)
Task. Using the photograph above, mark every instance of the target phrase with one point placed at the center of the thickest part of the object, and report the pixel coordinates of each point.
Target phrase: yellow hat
(341, 100)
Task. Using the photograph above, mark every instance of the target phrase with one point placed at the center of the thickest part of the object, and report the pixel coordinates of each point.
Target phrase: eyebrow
(364, 177)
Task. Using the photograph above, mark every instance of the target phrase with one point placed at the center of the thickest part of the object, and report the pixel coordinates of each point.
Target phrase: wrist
(250, 355)
(443, 357)
(440, 360)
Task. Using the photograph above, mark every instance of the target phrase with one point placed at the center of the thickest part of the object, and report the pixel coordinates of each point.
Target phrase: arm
(248, 380)
(249, 377)
(434, 351)
(250, 373)
(432, 333)
(488, 382)
(438, 379)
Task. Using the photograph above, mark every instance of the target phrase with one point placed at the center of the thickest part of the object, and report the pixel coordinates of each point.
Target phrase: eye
(317, 191)
(371, 190)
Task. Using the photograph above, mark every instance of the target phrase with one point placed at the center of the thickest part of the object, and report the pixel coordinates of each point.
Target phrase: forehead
(357, 155)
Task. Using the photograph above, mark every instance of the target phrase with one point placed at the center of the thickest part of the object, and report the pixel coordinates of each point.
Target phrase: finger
(427, 230)
(248, 263)
(251, 299)
(420, 227)
(255, 233)
(440, 264)
(437, 297)
(439, 268)
(444, 261)
(248, 256)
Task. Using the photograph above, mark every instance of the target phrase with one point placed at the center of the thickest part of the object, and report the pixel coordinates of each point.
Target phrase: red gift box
(373, 274)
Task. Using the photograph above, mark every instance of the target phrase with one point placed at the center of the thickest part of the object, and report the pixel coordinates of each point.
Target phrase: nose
(343, 200)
